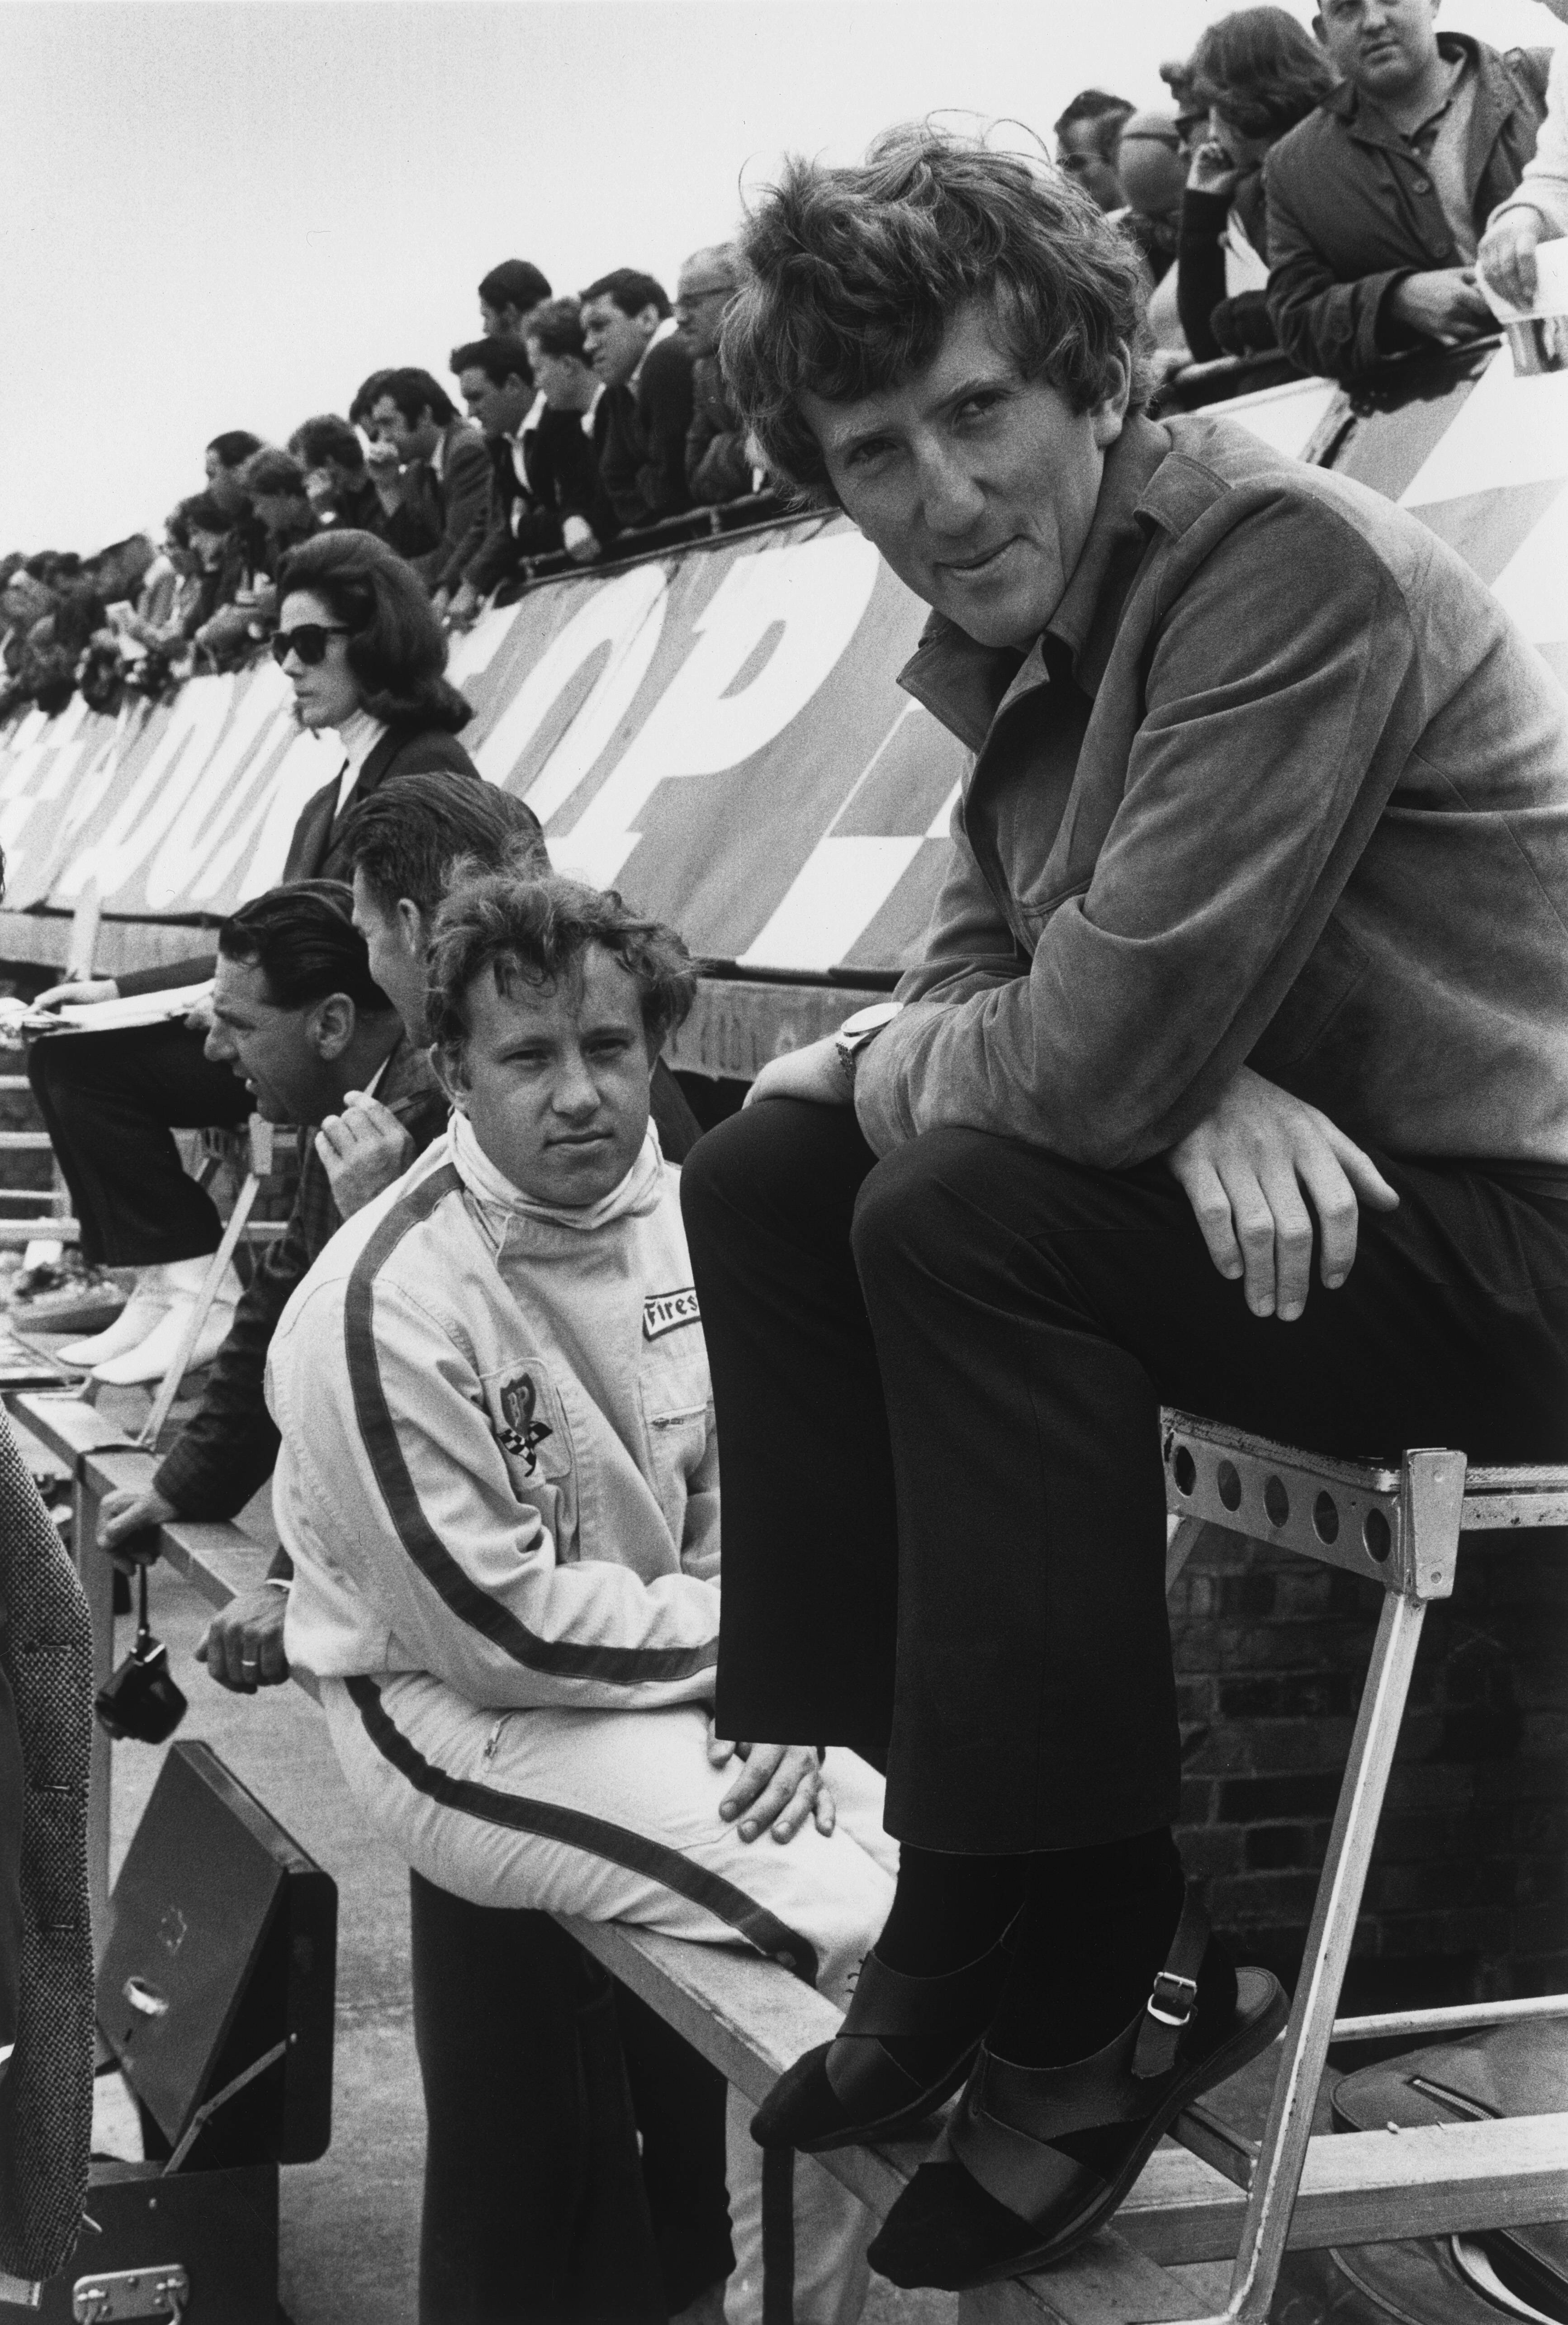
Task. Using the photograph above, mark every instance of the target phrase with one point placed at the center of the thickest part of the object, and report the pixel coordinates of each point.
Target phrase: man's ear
(1108, 416)
(650, 318)
(413, 929)
(332, 1025)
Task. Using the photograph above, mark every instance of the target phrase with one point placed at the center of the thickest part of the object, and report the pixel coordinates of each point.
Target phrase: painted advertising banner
(717, 730)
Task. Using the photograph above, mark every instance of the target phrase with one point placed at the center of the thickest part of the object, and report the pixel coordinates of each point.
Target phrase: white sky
(223, 215)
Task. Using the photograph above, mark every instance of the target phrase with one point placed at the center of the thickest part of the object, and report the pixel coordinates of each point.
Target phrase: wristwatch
(856, 1032)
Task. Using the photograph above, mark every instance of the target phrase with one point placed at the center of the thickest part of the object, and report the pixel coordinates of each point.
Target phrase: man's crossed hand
(1249, 1169)
(780, 1785)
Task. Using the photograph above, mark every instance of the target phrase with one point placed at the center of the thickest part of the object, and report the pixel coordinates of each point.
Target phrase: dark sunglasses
(309, 641)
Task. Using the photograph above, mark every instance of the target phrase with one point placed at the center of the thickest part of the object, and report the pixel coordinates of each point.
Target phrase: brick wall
(1468, 1894)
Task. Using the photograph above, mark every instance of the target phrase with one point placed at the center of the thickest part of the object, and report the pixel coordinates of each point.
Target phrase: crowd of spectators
(1319, 199)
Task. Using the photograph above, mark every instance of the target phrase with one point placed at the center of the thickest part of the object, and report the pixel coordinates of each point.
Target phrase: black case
(223, 1942)
(220, 2226)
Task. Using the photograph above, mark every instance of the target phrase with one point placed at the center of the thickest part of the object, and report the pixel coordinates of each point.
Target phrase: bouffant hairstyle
(1261, 70)
(852, 277)
(397, 649)
(535, 931)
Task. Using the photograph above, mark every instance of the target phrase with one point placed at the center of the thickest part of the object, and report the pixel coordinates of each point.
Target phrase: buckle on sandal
(1178, 1996)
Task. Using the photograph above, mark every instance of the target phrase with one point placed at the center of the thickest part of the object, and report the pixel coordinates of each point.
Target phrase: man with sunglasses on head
(366, 656)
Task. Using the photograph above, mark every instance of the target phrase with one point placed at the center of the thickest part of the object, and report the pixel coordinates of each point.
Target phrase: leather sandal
(857, 2077)
(1004, 2128)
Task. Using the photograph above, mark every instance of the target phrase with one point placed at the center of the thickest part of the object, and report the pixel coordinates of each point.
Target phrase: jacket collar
(1496, 95)
(966, 684)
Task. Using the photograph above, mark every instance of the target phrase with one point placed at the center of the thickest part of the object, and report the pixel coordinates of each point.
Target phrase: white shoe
(142, 1313)
(151, 1357)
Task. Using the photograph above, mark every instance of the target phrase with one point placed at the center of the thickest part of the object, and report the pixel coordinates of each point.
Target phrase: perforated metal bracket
(128, 2293)
(1398, 1526)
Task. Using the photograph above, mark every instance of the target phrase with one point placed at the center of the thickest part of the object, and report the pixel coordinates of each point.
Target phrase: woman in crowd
(366, 656)
(1259, 74)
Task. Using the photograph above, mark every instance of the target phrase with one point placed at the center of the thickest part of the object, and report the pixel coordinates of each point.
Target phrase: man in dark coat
(1377, 199)
(717, 464)
(644, 415)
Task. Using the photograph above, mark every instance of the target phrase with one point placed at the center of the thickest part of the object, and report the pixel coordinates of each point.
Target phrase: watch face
(866, 1021)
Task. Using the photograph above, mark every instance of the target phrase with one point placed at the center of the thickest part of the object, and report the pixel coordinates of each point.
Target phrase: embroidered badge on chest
(519, 1400)
(667, 1312)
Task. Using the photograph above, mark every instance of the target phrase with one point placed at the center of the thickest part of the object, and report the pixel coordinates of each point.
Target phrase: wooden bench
(1207, 2195)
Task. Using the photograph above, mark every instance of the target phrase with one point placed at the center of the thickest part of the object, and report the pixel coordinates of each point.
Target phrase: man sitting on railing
(499, 1485)
(1255, 909)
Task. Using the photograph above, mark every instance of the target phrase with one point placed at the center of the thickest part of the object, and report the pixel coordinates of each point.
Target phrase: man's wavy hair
(535, 932)
(397, 649)
(852, 277)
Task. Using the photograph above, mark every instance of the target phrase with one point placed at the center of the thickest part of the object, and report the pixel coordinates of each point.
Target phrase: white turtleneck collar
(638, 1193)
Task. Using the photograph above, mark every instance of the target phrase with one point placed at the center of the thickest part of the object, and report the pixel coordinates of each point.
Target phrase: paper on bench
(119, 1016)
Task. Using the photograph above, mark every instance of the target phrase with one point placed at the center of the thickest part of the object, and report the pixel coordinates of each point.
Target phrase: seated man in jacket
(499, 1485)
(1253, 912)
(1377, 200)
(644, 417)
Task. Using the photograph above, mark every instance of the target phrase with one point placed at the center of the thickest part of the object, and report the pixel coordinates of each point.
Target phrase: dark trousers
(540, 2075)
(938, 1379)
(108, 1102)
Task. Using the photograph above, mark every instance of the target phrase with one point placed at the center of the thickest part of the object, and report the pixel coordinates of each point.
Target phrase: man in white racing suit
(499, 1486)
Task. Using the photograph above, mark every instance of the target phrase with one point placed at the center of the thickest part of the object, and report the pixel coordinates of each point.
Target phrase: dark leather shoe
(854, 2090)
(1045, 2145)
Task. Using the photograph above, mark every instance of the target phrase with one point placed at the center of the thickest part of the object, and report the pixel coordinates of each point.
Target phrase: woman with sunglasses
(366, 656)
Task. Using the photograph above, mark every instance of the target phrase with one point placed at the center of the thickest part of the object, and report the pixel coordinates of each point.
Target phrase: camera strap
(143, 1627)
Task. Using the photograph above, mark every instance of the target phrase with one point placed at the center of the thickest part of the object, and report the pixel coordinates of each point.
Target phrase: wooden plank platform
(752, 2019)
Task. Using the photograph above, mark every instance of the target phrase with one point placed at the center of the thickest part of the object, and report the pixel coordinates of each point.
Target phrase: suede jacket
(1353, 209)
(1283, 786)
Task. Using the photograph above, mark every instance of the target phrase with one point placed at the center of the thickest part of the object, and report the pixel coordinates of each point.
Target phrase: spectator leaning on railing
(1377, 200)
(564, 463)
(718, 465)
(336, 479)
(1259, 74)
(1538, 212)
(644, 415)
(1086, 136)
(431, 474)
(508, 296)
(495, 380)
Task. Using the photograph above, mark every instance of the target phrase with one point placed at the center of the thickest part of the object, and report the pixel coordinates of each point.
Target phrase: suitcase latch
(130, 2293)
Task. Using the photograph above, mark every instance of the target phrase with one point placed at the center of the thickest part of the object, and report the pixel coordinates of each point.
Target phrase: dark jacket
(226, 1450)
(46, 2095)
(640, 438)
(716, 466)
(1352, 211)
(1282, 786)
(563, 480)
(1213, 324)
(449, 510)
(315, 850)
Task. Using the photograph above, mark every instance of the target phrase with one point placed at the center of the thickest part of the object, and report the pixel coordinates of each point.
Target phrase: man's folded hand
(780, 1785)
(1249, 1169)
